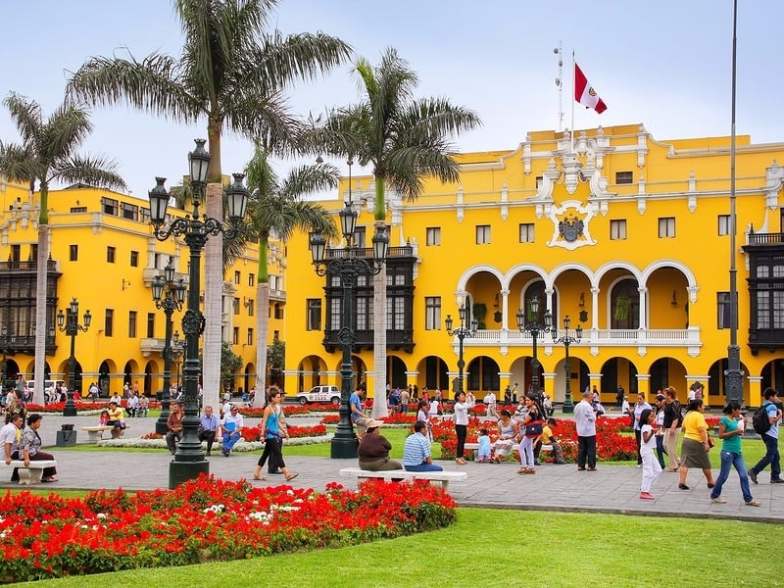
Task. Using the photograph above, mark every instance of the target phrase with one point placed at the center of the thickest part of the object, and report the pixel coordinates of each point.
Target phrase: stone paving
(613, 488)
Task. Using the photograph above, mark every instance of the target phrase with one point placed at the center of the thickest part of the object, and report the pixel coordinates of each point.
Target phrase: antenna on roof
(558, 51)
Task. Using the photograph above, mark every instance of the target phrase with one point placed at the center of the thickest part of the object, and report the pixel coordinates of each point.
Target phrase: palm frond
(266, 118)
(153, 84)
(261, 177)
(235, 248)
(63, 132)
(307, 179)
(182, 194)
(18, 163)
(26, 114)
(434, 117)
(95, 171)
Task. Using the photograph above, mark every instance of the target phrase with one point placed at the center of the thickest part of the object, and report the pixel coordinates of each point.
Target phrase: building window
(334, 314)
(432, 313)
(16, 253)
(109, 206)
(110, 251)
(624, 177)
(237, 278)
(279, 311)
(108, 323)
(130, 211)
(251, 280)
(667, 227)
(482, 234)
(34, 251)
(73, 252)
(236, 306)
(134, 259)
(150, 325)
(250, 336)
(539, 180)
(433, 236)
(396, 313)
(145, 215)
(313, 321)
(235, 336)
(618, 229)
(723, 305)
(526, 233)
(132, 323)
(362, 313)
(724, 224)
(78, 209)
(251, 306)
(359, 237)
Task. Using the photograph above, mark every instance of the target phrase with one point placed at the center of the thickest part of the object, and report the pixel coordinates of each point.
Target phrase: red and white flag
(585, 94)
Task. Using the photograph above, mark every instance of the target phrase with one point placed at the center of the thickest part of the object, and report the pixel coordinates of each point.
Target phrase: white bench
(441, 477)
(95, 433)
(516, 447)
(30, 474)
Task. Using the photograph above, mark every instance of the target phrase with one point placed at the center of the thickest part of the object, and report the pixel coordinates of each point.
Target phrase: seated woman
(30, 448)
(103, 418)
(374, 450)
(508, 431)
(116, 419)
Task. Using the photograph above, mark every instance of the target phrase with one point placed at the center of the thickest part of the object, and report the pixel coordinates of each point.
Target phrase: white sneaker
(718, 501)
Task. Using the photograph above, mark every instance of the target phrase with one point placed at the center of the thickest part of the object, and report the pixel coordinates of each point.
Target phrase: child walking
(651, 469)
(484, 453)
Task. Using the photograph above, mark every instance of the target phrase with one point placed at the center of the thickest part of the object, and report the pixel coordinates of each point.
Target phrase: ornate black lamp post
(4, 347)
(567, 340)
(532, 323)
(461, 333)
(196, 229)
(68, 323)
(348, 263)
(169, 295)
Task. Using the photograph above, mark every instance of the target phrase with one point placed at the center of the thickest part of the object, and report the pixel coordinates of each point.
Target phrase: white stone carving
(575, 209)
(774, 176)
(504, 202)
(526, 158)
(460, 209)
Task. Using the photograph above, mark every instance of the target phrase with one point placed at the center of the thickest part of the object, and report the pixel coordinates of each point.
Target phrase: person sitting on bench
(116, 419)
(30, 448)
(547, 438)
(416, 453)
(10, 437)
(374, 450)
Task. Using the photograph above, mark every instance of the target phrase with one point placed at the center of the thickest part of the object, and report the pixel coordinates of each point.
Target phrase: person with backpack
(673, 419)
(766, 424)
(730, 432)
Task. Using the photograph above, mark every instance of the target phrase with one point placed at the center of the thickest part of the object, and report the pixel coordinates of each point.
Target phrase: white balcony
(592, 338)
(152, 345)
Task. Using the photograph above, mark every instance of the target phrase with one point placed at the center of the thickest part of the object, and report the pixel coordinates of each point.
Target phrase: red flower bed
(202, 520)
(400, 419)
(330, 419)
(80, 405)
(289, 409)
(254, 433)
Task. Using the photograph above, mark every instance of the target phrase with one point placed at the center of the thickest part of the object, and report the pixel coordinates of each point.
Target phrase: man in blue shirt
(357, 412)
(416, 453)
(208, 427)
(771, 439)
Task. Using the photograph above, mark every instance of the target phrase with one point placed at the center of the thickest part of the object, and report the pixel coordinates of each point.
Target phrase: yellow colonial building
(103, 253)
(625, 234)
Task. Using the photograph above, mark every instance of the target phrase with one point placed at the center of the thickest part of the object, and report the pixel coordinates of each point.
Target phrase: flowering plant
(202, 520)
(254, 433)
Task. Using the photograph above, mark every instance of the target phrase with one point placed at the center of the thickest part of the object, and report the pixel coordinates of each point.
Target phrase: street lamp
(461, 333)
(567, 340)
(535, 325)
(4, 346)
(168, 295)
(347, 262)
(68, 323)
(196, 229)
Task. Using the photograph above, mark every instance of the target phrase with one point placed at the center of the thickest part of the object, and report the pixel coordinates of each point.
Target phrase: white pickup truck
(320, 394)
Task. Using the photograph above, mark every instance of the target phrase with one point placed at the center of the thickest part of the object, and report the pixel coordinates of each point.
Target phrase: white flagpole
(559, 82)
(571, 128)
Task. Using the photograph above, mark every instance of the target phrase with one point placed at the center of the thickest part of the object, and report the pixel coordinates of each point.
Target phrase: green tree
(276, 359)
(403, 139)
(277, 208)
(230, 364)
(231, 74)
(47, 154)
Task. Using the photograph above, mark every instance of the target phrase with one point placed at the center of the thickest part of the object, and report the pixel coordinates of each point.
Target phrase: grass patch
(46, 492)
(504, 548)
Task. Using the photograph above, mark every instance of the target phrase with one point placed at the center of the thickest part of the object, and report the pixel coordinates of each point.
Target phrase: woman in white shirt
(461, 426)
(434, 406)
(422, 409)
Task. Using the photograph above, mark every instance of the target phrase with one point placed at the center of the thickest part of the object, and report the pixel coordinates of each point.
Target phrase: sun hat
(373, 424)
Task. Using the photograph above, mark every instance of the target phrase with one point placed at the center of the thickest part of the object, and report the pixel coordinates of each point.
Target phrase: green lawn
(507, 548)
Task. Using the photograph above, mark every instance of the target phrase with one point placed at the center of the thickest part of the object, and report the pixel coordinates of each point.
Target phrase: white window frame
(618, 229)
(530, 233)
(483, 234)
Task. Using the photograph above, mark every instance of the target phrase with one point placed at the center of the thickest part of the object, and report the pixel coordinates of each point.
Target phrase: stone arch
(773, 375)
(557, 271)
(521, 371)
(668, 294)
(618, 371)
(624, 285)
(65, 369)
(482, 294)
(105, 372)
(311, 372)
(396, 372)
(668, 371)
(359, 377)
(470, 272)
(578, 368)
(150, 378)
(607, 267)
(520, 268)
(716, 385)
(11, 370)
(433, 373)
(482, 375)
(684, 269)
(130, 371)
(249, 375)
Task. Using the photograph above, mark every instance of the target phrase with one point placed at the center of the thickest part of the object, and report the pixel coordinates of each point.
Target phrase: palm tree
(277, 209)
(46, 155)
(231, 74)
(403, 139)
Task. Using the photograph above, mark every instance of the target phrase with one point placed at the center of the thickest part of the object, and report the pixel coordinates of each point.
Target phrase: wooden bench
(96, 433)
(443, 478)
(30, 474)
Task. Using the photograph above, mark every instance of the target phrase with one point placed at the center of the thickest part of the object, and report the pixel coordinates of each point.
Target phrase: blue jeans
(771, 457)
(728, 460)
(424, 467)
(230, 440)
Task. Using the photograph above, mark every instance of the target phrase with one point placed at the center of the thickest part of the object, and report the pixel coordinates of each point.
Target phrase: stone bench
(443, 478)
(30, 474)
(516, 447)
(95, 433)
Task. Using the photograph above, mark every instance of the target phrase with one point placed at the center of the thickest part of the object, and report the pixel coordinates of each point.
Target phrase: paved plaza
(613, 488)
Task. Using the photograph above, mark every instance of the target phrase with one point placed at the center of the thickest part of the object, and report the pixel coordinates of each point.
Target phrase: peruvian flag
(585, 94)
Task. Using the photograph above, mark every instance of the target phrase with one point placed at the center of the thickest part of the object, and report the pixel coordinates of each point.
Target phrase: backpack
(761, 421)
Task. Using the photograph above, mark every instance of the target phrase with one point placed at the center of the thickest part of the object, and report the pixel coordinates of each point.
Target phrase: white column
(594, 312)
(505, 310)
(643, 308)
(548, 293)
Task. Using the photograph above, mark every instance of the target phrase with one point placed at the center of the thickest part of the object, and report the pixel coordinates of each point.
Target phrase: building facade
(625, 234)
(103, 253)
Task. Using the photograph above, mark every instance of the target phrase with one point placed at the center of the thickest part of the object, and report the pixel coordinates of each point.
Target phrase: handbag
(534, 428)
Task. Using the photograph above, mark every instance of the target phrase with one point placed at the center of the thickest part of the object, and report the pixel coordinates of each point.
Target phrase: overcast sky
(665, 64)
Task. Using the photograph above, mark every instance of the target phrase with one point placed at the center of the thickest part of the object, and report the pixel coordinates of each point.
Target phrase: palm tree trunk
(380, 319)
(262, 323)
(213, 280)
(42, 257)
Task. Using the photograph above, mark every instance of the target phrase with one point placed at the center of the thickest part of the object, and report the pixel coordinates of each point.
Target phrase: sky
(663, 63)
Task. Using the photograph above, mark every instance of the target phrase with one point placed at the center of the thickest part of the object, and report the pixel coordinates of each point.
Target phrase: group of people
(22, 443)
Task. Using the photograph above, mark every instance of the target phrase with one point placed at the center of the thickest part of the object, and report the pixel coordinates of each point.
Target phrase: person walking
(273, 431)
(174, 424)
(585, 421)
(673, 419)
(373, 450)
(416, 452)
(640, 406)
(531, 430)
(771, 440)
(461, 427)
(696, 445)
(208, 428)
(651, 469)
(730, 431)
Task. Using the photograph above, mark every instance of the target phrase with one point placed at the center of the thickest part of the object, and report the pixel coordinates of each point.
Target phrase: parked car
(320, 394)
(49, 386)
